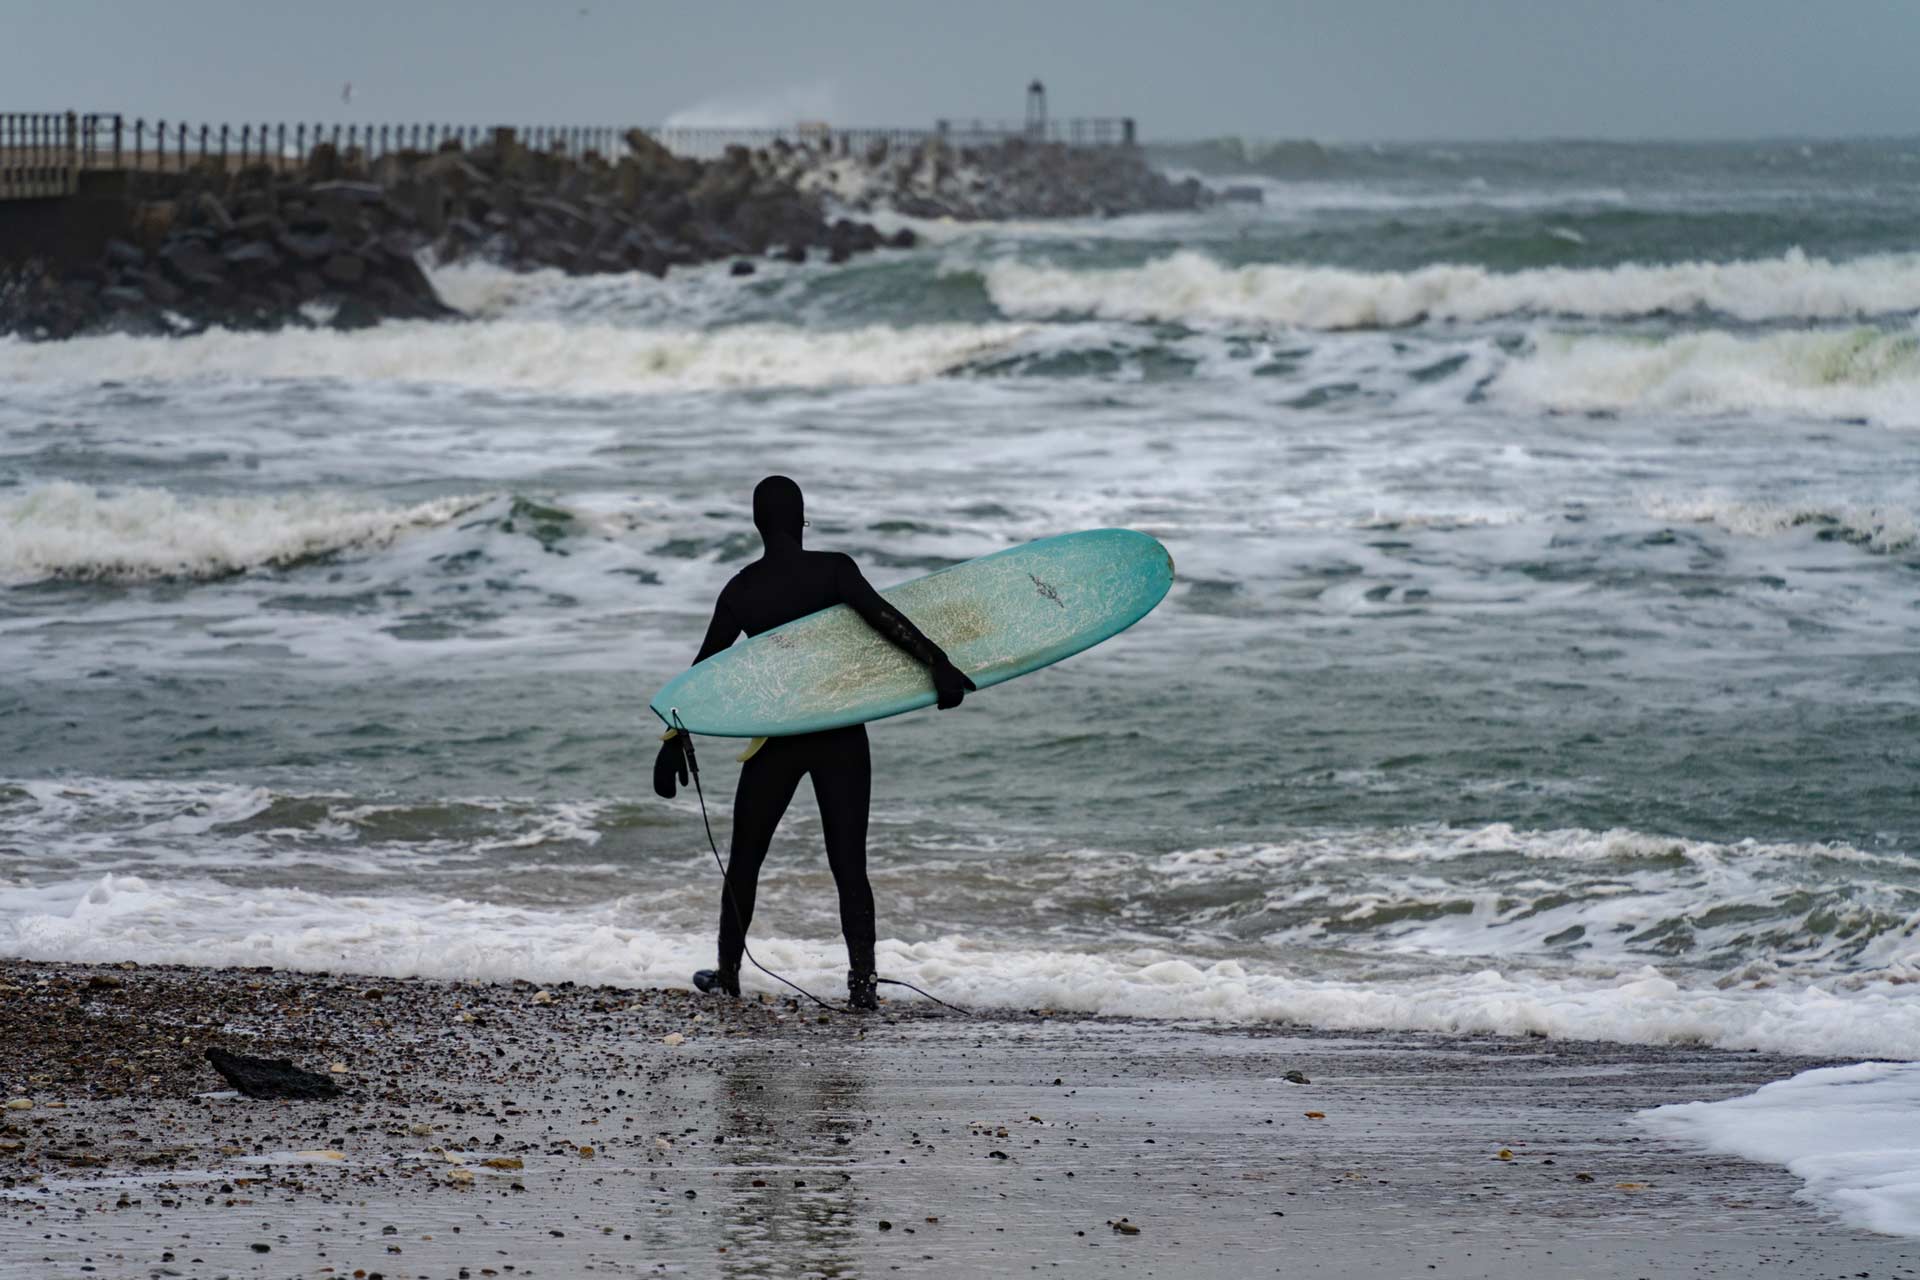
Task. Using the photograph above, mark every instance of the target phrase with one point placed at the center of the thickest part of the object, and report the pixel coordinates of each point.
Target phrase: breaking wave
(1617, 935)
(1191, 287)
(195, 921)
(1867, 375)
(522, 355)
(74, 531)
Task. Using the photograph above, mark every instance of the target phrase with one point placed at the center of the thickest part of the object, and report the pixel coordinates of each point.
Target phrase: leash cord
(726, 893)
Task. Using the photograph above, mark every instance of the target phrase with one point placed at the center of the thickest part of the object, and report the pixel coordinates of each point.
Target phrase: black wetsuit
(787, 583)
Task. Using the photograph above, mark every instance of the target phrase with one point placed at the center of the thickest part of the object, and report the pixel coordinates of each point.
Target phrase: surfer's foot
(724, 981)
(863, 990)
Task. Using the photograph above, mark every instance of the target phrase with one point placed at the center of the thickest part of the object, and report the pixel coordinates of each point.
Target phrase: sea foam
(1191, 287)
(1851, 1134)
(66, 530)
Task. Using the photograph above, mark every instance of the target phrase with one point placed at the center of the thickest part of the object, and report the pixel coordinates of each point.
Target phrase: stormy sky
(1335, 70)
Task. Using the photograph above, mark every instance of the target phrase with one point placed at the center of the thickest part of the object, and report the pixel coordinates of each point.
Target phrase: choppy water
(1543, 655)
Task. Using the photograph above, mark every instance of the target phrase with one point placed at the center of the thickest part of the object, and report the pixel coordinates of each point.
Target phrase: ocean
(1544, 654)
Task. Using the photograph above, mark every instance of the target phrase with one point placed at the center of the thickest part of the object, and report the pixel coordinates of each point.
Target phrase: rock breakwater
(1014, 178)
(337, 240)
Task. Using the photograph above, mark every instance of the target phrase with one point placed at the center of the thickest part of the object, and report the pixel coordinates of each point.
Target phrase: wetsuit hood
(778, 512)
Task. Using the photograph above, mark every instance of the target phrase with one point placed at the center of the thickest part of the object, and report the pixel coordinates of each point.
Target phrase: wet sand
(509, 1131)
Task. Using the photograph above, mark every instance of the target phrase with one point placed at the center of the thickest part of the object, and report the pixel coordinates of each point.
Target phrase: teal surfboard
(997, 617)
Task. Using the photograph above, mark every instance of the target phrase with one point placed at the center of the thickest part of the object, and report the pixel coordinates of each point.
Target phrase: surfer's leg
(843, 783)
(767, 784)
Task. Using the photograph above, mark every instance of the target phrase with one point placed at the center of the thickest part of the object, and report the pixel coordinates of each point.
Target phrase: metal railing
(42, 154)
(38, 155)
(180, 145)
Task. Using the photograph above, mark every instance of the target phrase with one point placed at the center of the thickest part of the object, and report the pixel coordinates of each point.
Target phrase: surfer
(788, 582)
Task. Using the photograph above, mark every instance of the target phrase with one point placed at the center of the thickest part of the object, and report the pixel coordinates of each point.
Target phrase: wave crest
(73, 531)
(1870, 375)
(1191, 287)
(523, 355)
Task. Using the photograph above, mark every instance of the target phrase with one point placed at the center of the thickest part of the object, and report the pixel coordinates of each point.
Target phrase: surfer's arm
(721, 632)
(949, 682)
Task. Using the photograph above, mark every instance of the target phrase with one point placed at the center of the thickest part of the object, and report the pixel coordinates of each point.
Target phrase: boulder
(308, 246)
(121, 254)
(346, 268)
(186, 258)
(256, 257)
(209, 212)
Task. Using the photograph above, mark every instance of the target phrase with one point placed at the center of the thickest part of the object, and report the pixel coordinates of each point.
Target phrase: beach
(1525, 744)
(776, 1140)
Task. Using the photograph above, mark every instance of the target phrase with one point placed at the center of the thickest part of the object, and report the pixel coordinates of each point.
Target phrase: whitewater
(1540, 659)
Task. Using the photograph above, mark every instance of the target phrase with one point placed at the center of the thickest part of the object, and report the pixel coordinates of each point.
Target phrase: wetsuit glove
(950, 683)
(671, 760)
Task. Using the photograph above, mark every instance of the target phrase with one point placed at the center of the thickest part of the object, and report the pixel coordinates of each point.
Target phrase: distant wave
(74, 531)
(1194, 288)
(527, 355)
(1871, 375)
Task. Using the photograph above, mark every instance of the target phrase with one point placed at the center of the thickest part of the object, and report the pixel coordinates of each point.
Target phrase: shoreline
(769, 1139)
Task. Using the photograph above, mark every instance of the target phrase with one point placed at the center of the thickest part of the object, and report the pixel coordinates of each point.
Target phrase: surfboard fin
(752, 748)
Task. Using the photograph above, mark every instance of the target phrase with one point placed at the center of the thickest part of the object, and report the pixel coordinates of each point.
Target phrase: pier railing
(38, 154)
(43, 154)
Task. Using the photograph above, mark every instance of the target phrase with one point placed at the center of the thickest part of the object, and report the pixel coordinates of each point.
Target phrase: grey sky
(1327, 69)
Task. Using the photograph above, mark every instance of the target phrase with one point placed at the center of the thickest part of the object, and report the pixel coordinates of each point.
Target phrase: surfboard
(998, 617)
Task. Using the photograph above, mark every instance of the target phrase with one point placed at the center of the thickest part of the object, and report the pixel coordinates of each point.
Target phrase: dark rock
(123, 297)
(453, 171)
(346, 268)
(158, 289)
(210, 212)
(742, 267)
(186, 259)
(323, 162)
(268, 1078)
(122, 254)
(257, 257)
(356, 313)
(306, 246)
(362, 193)
(904, 238)
(260, 226)
(794, 253)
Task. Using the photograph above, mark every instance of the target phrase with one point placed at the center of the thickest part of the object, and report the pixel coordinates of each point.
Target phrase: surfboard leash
(726, 894)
